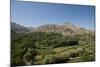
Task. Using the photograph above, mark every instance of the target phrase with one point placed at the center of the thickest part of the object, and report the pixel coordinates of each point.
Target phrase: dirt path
(28, 63)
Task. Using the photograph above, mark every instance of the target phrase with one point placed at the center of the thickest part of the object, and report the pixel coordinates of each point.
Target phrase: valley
(51, 44)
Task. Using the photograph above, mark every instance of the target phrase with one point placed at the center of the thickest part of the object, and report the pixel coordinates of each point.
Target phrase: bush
(87, 57)
(73, 42)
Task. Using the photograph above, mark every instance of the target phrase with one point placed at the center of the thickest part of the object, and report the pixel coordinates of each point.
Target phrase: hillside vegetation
(40, 47)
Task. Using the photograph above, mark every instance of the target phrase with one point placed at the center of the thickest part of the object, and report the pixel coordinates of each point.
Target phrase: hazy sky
(35, 14)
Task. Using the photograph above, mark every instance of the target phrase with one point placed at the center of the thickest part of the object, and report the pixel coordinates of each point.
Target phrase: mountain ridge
(66, 29)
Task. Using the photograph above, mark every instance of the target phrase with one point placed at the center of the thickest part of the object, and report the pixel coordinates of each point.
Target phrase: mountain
(66, 29)
(16, 28)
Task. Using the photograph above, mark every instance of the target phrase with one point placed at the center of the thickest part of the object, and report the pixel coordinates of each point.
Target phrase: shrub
(87, 57)
(72, 42)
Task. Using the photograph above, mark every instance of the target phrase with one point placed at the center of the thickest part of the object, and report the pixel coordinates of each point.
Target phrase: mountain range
(65, 29)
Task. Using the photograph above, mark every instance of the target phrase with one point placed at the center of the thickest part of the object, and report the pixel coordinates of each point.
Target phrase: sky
(34, 14)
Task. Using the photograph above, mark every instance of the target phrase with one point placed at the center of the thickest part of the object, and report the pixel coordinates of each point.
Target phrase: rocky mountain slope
(66, 29)
(18, 28)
